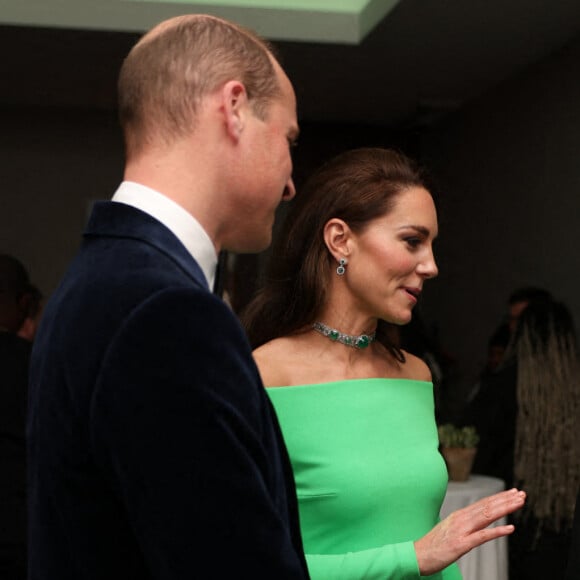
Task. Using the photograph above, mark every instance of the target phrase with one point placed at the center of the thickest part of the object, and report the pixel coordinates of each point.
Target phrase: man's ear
(235, 107)
(338, 238)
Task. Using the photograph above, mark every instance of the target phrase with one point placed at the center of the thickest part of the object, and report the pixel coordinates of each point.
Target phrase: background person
(498, 352)
(356, 411)
(154, 450)
(519, 300)
(30, 323)
(15, 298)
(525, 415)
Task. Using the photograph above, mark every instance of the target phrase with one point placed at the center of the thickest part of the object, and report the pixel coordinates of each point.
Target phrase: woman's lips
(412, 293)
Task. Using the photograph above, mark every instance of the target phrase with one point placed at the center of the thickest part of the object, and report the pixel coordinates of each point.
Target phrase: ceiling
(342, 21)
(422, 59)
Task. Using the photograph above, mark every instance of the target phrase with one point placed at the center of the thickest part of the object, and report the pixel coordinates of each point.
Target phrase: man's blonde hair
(176, 64)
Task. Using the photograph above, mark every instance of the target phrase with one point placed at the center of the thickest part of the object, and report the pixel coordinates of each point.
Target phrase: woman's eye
(413, 242)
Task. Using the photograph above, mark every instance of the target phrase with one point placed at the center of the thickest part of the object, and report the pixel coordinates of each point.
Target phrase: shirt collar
(183, 225)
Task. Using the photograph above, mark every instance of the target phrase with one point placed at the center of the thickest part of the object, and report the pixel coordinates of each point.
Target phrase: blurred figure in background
(15, 300)
(498, 344)
(526, 416)
(418, 340)
(520, 299)
(496, 348)
(28, 328)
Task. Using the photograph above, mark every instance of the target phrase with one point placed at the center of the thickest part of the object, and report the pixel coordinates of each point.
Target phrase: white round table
(490, 560)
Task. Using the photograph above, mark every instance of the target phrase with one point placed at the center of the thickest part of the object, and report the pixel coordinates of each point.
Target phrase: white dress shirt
(183, 225)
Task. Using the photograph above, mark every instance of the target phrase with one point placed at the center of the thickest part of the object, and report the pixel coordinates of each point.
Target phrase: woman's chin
(400, 320)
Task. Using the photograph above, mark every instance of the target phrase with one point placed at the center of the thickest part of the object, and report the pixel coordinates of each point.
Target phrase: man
(15, 293)
(154, 452)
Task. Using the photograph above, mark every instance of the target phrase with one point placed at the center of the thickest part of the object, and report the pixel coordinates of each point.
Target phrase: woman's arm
(391, 562)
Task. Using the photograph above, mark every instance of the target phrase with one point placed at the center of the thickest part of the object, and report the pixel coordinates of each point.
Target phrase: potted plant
(458, 447)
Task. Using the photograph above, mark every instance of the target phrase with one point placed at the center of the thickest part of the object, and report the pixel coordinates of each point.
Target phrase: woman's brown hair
(357, 186)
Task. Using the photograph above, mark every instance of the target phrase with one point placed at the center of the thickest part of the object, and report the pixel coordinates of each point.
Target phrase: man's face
(267, 171)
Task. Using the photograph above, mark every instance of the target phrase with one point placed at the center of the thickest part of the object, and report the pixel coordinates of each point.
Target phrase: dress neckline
(346, 382)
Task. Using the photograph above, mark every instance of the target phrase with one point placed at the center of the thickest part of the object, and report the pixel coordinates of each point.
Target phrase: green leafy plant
(452, 436)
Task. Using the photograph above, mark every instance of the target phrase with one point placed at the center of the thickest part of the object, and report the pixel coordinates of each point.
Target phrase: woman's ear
(338, 238)
(235, 107)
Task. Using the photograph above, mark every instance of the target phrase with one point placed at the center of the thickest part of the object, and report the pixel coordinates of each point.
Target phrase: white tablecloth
(490, 560)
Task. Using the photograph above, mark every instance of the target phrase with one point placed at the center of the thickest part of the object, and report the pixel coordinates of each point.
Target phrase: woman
(355, 410)
(547, 445)
(542, 379)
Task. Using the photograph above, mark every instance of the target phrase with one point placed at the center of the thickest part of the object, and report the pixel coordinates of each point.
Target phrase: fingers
(480, 516)
(466, 529)
(493, 533)
(492, 508)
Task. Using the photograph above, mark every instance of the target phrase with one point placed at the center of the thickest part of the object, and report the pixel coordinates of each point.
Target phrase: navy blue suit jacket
(153, 449)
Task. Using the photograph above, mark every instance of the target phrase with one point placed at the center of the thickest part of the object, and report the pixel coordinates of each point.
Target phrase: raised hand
(466, 529)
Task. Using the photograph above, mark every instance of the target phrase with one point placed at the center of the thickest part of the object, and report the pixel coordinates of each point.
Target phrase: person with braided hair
(547, 446)
(526, 416)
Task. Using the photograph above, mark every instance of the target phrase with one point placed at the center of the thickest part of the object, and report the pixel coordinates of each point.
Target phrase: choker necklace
(355, 340)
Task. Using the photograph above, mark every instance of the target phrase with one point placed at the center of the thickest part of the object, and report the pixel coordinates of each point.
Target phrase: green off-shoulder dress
(369, 476)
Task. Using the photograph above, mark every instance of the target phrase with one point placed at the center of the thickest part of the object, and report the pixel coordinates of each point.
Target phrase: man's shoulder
(124, 250)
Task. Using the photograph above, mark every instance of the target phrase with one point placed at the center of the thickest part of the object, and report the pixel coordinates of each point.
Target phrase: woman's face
(393, 256)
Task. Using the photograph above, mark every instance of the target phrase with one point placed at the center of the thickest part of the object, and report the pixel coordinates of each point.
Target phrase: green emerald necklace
(355, 340)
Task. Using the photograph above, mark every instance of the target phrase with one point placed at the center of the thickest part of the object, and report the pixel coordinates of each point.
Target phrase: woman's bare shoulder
(275, 360)
(415, 368)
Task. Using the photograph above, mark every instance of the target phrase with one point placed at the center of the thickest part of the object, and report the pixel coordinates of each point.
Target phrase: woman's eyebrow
(420, 229)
